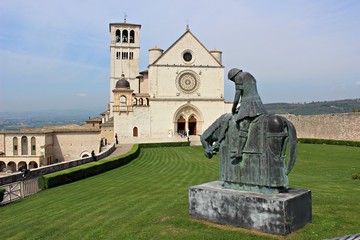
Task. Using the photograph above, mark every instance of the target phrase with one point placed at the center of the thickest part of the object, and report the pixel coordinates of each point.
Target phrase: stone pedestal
(280, 213)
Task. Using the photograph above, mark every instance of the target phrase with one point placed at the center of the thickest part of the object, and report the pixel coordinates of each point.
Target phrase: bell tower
(124, 55)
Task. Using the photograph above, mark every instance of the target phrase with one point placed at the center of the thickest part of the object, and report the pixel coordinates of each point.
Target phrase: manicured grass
(148, 199)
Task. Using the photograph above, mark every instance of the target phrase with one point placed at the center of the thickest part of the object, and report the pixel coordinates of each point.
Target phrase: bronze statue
(251, 142)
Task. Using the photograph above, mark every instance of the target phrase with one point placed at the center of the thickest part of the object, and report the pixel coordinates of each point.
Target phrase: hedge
(164, 144)
(329, 141)
(94, 168)
(2, 192)
(87, 170)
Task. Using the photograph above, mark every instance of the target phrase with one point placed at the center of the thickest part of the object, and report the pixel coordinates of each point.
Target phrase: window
(134, 101)
(15, 146)
(125, 36)
(135, 132)
(124, 55)
(140, 101)
(33, 146)
(122, 101)
(187, 56)
(24, 145)
(132, 36)
(117, 36)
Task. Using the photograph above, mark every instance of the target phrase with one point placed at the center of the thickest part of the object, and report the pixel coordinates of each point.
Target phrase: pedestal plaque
(279, 213)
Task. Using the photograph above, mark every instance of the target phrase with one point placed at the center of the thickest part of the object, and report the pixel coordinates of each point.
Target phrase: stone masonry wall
(345, 126)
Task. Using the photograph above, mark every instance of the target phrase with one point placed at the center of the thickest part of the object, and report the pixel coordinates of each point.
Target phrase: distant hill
(36, 119)
(17, 120)
(315, 108)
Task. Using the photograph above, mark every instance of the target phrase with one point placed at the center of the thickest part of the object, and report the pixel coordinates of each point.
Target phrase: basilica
(179, 94)
(175, 99)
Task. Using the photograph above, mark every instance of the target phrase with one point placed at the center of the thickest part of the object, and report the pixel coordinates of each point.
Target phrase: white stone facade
(181, 92)
(33, 148)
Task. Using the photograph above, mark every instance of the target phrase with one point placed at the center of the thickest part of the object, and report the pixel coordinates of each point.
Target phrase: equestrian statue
(252, 143)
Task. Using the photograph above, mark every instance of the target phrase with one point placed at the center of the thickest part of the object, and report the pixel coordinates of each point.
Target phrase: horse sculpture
(251, 142)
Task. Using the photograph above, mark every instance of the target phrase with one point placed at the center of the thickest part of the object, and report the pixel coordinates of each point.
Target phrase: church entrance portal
(181, 125)
(188, 120)
(192, 125)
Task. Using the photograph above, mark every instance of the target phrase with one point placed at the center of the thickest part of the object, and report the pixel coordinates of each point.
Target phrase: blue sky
(55, 54)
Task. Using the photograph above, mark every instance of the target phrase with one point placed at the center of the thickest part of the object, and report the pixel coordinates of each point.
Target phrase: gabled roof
(179, 39)
(95, 119)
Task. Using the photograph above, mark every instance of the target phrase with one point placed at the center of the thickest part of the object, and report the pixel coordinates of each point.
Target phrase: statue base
(280, 213)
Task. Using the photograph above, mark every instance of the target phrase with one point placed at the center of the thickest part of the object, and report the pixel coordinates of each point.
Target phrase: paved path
(120, 149)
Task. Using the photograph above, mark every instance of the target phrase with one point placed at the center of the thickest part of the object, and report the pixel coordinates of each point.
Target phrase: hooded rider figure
(251, 107)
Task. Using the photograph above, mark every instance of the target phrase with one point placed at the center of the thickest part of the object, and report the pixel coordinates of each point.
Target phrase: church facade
(178, 96)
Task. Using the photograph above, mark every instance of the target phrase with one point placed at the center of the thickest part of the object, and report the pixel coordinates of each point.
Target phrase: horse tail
(292, 141)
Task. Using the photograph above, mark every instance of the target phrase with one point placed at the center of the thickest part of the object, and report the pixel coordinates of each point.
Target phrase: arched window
(24, 145)
(132, 36)
(125, 36)
(147, 102)
(33, 146)
(117, 37)
(15, 146)
(124, 55)
(135, 132)
(122, 101)
(140, 101)
(134, 101)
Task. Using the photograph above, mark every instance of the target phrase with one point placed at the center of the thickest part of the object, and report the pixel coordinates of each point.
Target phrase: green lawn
(148, 199)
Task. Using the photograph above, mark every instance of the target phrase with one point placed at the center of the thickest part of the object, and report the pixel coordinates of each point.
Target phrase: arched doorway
(181, 125)
(188, 119)
(135, 132)
(192, 125)
(22, 165)
(33, 164)
(2, 166)
(11, 166)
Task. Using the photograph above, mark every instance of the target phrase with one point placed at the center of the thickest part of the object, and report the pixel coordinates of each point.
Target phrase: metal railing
(20, 189)
(13, 192)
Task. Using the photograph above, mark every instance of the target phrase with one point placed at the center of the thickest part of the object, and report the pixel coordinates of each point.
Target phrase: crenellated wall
(343, 126)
